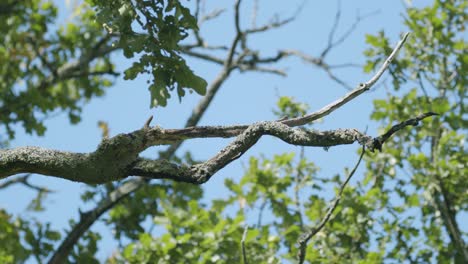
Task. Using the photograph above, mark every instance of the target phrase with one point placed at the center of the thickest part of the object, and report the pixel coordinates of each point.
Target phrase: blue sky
(244, 98)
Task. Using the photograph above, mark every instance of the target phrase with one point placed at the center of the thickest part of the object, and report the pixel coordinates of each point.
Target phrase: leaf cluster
(152, 31)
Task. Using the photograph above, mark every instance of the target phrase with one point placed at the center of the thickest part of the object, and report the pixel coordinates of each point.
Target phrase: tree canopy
(408, 204)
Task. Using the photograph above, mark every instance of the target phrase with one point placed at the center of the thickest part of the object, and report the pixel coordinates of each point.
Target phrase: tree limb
(117, 157)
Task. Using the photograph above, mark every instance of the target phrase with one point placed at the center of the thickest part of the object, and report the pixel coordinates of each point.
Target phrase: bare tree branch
(332, 43)
(117, 158)
(361, 88)
(410, 122)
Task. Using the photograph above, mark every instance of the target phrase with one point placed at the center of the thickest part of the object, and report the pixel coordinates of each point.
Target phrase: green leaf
(413, 200)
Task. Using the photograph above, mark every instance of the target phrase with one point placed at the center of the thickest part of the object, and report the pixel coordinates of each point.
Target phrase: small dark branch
(331, 35)
(197, 10)
(306, 236)
(269, 26)
(260, 212)
(43, 59)
(26, 183)
(24, 180)
(237, 38)
(244, 252)
(344, 65)
(331, 42)
(423, 88)
(298, 181)
(449, 215)
(204, 45)
(100, 47)
(13, 181)
(263, 70)
(379, 141)
(214, 14)
(148, 123)
(254, 13)
(82, 74)
(277, 23)
(336, 79)
(203, 56)
(200, 41)
(319, 62)
(306, 58)
(254, 59)
(75, 68)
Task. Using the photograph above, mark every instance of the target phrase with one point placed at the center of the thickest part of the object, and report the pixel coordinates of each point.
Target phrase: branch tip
(148, 122)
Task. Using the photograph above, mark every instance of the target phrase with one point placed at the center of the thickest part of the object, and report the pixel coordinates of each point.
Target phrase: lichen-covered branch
(200, 173)
(117, 157)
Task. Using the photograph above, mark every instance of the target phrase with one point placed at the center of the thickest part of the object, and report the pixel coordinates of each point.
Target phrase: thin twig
(332, 44)
(306, 236)
(214, 14)
(24, 180)
(379, 141)
(361, 88)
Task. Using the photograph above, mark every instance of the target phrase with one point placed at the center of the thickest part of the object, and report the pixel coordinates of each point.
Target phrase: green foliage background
(406, 209)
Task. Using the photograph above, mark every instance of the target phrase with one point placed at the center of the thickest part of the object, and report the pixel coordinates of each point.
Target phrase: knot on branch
(200, 174)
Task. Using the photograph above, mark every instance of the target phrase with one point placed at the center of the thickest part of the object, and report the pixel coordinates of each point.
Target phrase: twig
(306, 236)
(361, 88)
(203, 56)
(379, 141)
(331, 36)
(387, 61)
(25, 181)
(214, 14)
